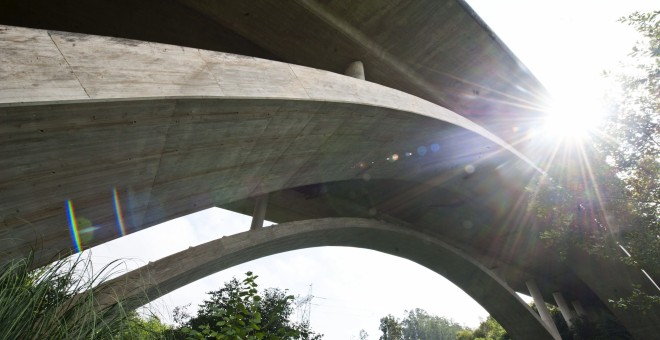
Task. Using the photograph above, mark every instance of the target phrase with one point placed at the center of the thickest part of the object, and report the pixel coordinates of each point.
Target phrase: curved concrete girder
(447, 61)
(177, 270)
(105, 68)
(110, 113)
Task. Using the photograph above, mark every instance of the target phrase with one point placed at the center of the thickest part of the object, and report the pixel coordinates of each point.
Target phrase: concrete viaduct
(157, 109)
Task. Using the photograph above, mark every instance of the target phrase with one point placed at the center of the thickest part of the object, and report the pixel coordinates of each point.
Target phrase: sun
(573, 120)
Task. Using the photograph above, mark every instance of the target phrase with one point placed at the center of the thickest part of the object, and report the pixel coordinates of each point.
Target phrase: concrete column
(579, 309)
(543, 310)
(259, 212)
(565, 310)
(355, 70)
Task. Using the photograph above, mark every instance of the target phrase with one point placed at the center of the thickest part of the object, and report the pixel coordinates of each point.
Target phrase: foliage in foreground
(238, 311)
(55, 302)
(59, 301)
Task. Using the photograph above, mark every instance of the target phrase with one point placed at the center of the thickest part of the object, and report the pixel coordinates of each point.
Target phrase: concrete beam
(90, 67)
(260, 205)
(177, 270)
(355, 70)
(542, 308)
(443, 65)
(565, 310)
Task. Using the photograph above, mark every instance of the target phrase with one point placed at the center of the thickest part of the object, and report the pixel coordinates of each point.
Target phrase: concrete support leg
(579, 309)
(543, 310)
(355, 70)
(564, 308)
(261, 202)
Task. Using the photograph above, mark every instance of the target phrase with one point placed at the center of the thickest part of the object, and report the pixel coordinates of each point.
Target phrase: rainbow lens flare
(118, 213)
(73, 226)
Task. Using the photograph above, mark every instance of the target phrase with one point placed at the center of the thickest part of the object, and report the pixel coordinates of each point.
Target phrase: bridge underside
(120, 135)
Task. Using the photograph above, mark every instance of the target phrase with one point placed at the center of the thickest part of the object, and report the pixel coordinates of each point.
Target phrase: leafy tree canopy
(418, 324)
(238, 311)
(488, 329)
(605, 195)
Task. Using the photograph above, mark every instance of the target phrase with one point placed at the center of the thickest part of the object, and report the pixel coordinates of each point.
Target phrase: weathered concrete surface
(106, 68)
(245, 126)
(438, 50)
(177, 270)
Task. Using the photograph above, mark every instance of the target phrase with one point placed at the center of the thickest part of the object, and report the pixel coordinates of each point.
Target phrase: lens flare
(118, 213)
(573, 120)
(73, 226)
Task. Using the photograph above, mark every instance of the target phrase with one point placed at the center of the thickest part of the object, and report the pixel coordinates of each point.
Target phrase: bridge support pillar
(564, 308)
(543, 310)
(259, 214)
(355, 70)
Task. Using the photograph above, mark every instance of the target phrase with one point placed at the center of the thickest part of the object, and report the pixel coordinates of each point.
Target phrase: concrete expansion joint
(68, 65)
(208, 69)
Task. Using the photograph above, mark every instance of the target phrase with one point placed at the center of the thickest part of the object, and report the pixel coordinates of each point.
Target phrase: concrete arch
(163, 131)
(174, 271)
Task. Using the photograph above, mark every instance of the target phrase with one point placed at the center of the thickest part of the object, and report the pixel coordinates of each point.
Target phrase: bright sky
(566, 44)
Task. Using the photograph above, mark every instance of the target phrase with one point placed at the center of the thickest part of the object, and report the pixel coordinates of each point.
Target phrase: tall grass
(57, 301)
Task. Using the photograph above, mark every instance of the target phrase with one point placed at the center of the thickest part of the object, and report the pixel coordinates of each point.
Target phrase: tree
(391, 328)
(609, 197)
(582, 329)
(465, 334)
(418, 325)
(634, 150)
(237, 311)
(490, 329)
(138, 328)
